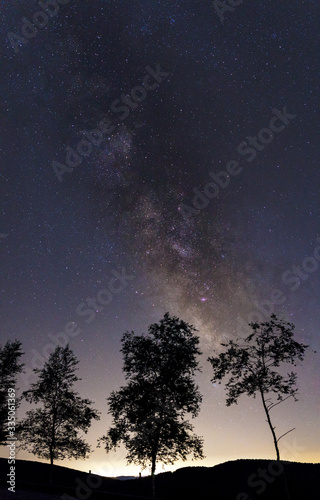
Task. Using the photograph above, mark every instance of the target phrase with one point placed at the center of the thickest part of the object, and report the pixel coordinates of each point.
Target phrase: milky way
(182, 97)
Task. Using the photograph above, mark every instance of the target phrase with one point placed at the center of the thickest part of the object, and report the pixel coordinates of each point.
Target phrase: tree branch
(285, 434)
(281, 401)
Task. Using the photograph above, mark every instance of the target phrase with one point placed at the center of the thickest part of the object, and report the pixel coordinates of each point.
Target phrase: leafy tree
(149, 412)
(10, 366)
(52, 431)
(253, 366)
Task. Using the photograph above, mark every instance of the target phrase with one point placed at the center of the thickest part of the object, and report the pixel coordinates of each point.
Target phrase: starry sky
(192, 99)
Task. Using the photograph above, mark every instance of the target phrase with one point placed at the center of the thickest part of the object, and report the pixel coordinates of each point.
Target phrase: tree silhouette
(52, 431)
(9, 368)
(149, 412)
(252, 367)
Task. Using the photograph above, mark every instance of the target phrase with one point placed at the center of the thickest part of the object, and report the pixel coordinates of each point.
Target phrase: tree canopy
(149, 412)
(52, 431)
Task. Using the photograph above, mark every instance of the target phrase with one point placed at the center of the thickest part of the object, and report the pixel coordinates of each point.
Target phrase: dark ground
(237, 480)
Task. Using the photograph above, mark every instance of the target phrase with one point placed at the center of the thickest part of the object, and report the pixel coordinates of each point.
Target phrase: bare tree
(252, 367)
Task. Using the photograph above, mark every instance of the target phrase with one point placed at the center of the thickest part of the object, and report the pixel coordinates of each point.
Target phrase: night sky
(188, 97)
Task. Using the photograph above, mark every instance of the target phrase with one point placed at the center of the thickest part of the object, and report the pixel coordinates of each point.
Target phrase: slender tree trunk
(51, 474)
(51, 467)
(270, 425)
(52, 446)
(276, 446)
(153, 477)
(154, 460)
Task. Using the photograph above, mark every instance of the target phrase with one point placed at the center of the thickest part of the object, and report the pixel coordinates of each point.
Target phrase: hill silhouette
(236, 480)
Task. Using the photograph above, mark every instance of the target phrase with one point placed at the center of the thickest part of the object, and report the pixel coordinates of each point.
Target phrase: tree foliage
(149, 412)
(52, 431)
(10, 366)
(253, 367)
